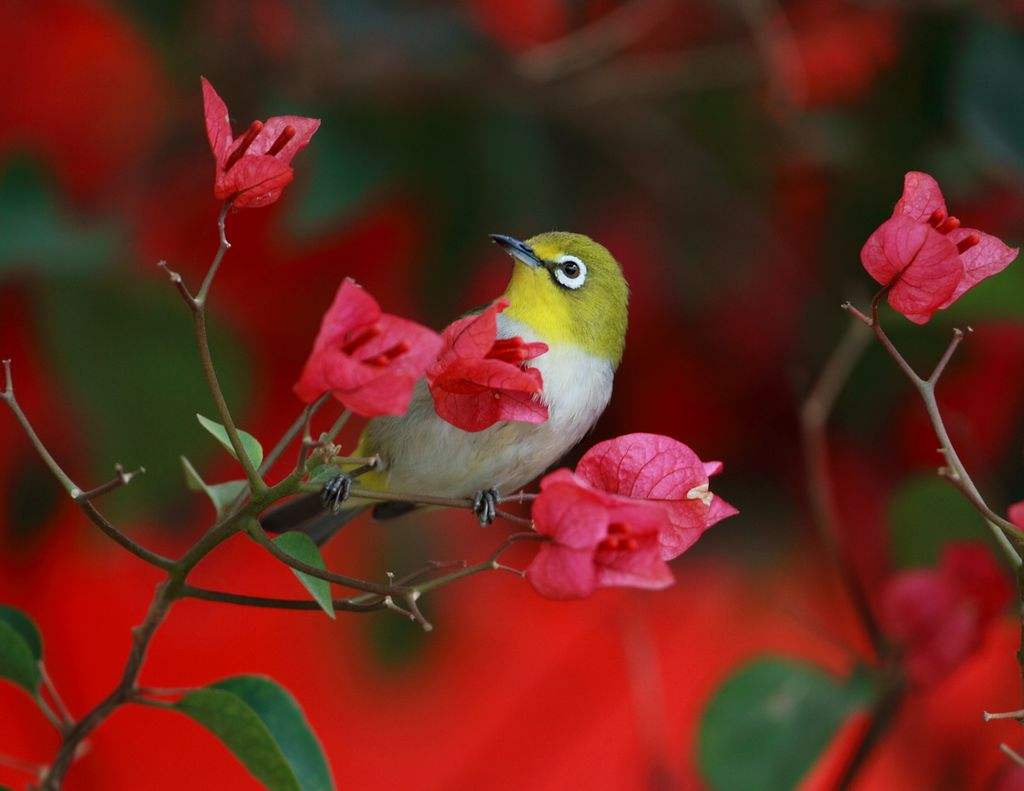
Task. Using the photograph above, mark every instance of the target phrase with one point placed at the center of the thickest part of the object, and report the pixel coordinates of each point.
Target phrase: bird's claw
(485, 505)
(336, 491)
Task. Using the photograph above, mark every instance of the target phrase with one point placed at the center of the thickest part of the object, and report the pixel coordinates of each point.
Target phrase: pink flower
(597, 540)
(923, 255)
(1016, 514)
(939, 616)
(368, 360)
(659, 469)
(479, 379)
(253, 170)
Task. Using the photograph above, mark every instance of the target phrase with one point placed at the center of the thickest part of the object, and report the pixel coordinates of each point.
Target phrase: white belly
(424, 454)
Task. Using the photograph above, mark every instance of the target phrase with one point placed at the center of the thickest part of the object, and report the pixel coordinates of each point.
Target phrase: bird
(565, 290)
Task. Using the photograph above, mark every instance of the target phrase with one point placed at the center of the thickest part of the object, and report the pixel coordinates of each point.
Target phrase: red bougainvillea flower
(939, 616)
(659, 469)
(597, 540)
(368, 360)
(923, 255)
(253, 169)
(479, 379)
(1016, 514)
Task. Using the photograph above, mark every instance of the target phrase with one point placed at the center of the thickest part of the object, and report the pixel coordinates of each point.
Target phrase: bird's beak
(521, 251)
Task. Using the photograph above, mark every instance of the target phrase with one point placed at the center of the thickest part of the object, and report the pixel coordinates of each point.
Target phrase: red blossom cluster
(633, 503)
(939, 616)
(479, 379)
(923, 256)
(253, 170)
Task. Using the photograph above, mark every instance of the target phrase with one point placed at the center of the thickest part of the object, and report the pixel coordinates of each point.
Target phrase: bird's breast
(423, 453)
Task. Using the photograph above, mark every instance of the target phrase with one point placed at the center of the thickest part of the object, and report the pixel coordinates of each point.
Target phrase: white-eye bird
(567, 291)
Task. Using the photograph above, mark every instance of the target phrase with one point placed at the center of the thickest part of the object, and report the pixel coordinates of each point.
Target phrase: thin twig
(58, 702)
(197, 306)
(956, 472)
(69, 486)
(260, 536)
(1012, 754)
(36, 770)
(988, 716)
(814, 417)
(222, 248)
(300, 423)
(121, 478)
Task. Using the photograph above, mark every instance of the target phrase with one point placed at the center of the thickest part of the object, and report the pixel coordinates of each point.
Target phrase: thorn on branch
(121, 478)
(988, 716)
(179, 284)
(958, 336)
(853, 311)
(521, 573)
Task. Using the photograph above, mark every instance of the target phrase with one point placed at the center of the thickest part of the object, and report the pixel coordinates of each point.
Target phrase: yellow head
(569, 289)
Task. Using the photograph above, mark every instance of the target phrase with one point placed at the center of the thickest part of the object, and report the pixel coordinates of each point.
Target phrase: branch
(814, 417)
(1002, 529)
(62, 710)
(197, 305)
(76, 494)
(300, 423)
(260, 536)
(121, 478)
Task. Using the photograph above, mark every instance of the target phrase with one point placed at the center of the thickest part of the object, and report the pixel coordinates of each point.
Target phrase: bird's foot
(485, 505)
(336, 491)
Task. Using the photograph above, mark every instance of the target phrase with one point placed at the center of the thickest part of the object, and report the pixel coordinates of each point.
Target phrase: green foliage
(301, 547)
(770, 721)
(989, 94)
(36, 234)
(264, 727)
(220, 494)
(250, 444)
(925, 514)
(21, 649)
(123, 350)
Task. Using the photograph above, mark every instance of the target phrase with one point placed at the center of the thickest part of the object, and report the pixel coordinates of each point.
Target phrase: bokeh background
(733, 154)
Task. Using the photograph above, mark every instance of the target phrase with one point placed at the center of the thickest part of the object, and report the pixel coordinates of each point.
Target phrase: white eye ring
(562, 277)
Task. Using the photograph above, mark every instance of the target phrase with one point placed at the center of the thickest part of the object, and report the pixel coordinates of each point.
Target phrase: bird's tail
(306, 514)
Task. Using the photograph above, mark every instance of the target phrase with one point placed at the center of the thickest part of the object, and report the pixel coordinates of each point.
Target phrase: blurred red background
(733, 157)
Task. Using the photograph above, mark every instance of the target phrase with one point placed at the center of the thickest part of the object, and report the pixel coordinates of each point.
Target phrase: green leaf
(220, 494)
(301, 547)
(24, 626)
(926, 513)
(250, 444)
(264, 727)
(769, 722)
(21, 648)
(988, 94)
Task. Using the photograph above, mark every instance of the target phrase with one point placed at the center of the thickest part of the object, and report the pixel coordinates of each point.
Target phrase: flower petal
(921, 197)
(560, 572)
(920, 266)
(253, 181)
(988, 257)
(569, 511)
(218, 124)
(643, 466)
(274, 127)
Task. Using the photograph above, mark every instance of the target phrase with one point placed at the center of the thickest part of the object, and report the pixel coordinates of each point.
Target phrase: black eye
(571, 268)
